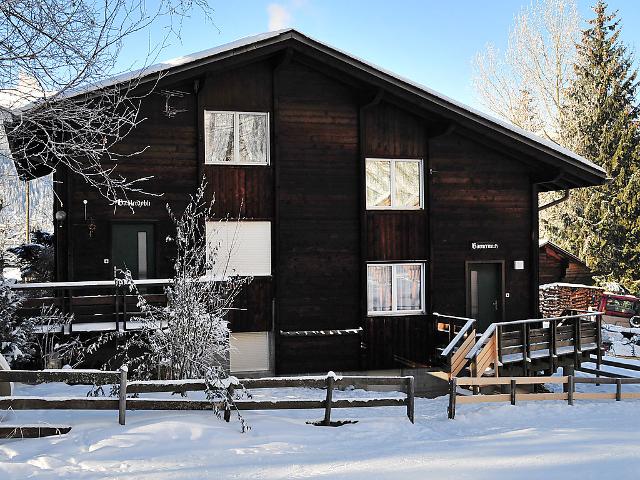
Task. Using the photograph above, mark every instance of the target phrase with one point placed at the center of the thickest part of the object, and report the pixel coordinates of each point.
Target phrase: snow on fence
(511, 384)
(99, 377)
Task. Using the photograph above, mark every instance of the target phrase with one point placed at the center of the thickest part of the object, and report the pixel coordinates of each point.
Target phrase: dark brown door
(484, 293)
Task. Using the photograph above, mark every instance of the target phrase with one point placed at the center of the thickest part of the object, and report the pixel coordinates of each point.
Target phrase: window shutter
(250, 352)
(245, 245)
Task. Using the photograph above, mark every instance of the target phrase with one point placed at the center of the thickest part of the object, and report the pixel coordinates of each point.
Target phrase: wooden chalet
(367, 202)
(558, 265)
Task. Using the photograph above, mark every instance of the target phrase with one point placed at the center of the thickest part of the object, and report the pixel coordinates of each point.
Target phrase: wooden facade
(558, 265)
(328, 113)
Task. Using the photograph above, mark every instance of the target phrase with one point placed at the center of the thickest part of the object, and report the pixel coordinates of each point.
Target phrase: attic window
(236, 138)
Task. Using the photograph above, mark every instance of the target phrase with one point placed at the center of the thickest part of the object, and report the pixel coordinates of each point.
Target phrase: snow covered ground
(532, 440)
(625, 342)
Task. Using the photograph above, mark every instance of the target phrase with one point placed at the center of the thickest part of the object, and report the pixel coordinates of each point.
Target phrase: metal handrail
(492, 328)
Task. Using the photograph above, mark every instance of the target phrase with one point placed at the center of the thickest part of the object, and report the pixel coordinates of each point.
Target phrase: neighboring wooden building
(368, 202)
(558, 265)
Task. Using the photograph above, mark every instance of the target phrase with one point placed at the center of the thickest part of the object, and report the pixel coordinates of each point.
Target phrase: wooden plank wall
(318, 264)
(313, 193)
(391, 132)
(172, 162)
(478, 194)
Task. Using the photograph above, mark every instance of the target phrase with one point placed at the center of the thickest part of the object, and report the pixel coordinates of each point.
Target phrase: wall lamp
(61, 216)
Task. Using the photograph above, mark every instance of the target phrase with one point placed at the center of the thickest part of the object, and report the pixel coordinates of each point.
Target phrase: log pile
(556, 299)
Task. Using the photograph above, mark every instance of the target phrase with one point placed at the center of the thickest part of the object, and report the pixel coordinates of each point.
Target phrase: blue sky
(431, 42)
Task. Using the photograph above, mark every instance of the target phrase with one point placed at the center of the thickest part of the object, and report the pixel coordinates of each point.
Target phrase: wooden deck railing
(513, 396)
(99, 377)
(520, 342)
(462, 338)
(95, 305)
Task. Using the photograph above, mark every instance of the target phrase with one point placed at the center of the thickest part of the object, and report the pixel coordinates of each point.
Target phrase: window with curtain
(236, 138)
(395, 288)
(395, 184)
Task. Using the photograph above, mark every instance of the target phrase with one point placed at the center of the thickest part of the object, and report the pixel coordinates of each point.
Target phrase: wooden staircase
(522, 348)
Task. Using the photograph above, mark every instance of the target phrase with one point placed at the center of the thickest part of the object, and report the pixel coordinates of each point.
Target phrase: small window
(394, 184)
(240, 138)
(395, 289)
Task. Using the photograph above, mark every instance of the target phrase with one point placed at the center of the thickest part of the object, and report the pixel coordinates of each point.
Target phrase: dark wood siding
(168, 149)
(395, 236)
(552, 267)
(478, 195)
(555, 266)
(318, 259)
(245, 191)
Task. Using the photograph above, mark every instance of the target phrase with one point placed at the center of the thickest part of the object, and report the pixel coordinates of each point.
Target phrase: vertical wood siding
(478, 194)
(317, 279)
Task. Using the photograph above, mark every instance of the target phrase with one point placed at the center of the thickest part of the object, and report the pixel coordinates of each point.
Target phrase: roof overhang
(563, 169)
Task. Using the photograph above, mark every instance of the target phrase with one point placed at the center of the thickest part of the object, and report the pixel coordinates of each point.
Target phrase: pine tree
(601, 123)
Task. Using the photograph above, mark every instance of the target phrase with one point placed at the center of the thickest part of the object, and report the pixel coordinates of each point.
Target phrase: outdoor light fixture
(61, 215)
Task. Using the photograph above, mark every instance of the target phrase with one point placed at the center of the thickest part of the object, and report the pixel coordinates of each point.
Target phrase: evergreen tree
(602, 224)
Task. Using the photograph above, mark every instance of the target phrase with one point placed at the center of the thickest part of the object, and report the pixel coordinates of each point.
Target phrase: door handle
(495, 304)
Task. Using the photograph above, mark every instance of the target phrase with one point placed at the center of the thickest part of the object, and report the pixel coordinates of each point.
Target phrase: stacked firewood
(558, 298)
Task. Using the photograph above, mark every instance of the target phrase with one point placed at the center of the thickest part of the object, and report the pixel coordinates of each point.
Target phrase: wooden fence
(122, 403)
(511, 383)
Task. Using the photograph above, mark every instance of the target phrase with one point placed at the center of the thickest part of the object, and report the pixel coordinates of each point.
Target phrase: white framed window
(239, 248)
(395, 288)
(236, 138)
(394, 184)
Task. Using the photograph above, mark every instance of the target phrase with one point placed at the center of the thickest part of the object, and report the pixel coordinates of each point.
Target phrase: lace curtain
(409, 287)
(252, 138)
(218, 128)
(379, 288)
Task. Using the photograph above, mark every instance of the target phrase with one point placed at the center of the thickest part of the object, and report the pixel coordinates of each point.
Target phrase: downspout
(563, 198)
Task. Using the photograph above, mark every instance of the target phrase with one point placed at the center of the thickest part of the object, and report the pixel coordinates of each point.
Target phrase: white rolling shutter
(242, 247)
(250, 352)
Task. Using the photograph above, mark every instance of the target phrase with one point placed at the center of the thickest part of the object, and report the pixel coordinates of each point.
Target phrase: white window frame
(394, 295)
(392, 164)
(236, 139)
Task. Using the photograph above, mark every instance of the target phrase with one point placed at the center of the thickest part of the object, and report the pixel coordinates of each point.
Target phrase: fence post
(227, 408)
(496, 352)
(474, 373)
(410, 399)
(122, 403)
(512, 391)
(618, 389)
(570, 390)
(452, 398)
(329, 399)
(553, 327)
(599, 341)
(525, 349)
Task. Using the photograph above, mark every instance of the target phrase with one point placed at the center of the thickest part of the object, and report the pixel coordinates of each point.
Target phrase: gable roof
(561, 251)
(577, 170)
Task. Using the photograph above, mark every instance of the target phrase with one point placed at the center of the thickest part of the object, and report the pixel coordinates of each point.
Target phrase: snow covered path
(532, 440)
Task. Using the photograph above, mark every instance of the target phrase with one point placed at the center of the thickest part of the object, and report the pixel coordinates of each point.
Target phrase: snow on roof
(289, 33)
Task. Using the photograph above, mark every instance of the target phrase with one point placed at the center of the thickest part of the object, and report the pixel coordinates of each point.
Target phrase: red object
(626, 306)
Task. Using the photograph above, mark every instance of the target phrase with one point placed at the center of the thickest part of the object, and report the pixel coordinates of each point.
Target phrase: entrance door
(484, 293)
(132, 248)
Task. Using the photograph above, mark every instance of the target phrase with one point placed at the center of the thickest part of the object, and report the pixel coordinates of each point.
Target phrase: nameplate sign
(484, 246)
(133, 203)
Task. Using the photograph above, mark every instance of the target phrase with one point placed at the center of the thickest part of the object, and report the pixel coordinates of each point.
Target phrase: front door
(484, 293)
(132, 249)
